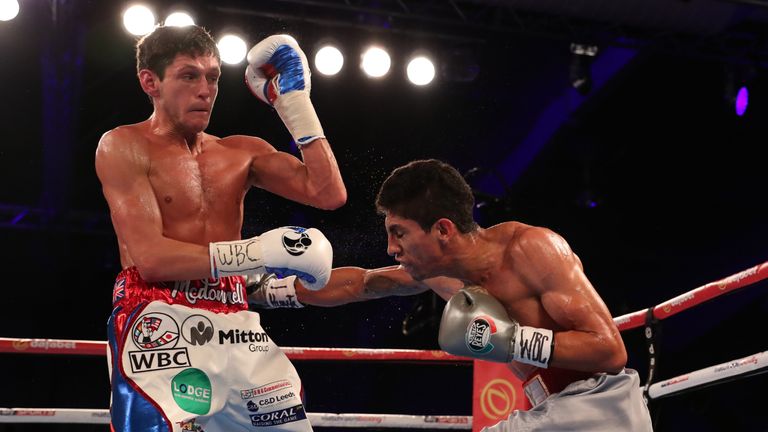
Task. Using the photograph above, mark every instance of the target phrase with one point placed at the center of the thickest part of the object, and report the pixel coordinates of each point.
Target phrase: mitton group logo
(197, 330)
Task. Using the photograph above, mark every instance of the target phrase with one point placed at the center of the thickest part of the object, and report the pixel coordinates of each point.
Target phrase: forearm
(166, 259)
(323, 177)
(355, 284)
(345, 286)
(589, 352)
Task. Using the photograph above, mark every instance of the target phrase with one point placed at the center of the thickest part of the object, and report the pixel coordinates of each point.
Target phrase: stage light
(421, 71)
(138, 20)
(8, 9)
(232, 49)
(737, 81)
(376, 62)
(179, 19)
(742, 101)
(329, 60)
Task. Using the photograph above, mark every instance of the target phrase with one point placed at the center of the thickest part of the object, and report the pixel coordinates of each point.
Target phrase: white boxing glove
(278, 74)
(287, 251)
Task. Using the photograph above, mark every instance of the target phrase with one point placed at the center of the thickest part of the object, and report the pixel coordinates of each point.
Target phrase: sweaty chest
(186, 185)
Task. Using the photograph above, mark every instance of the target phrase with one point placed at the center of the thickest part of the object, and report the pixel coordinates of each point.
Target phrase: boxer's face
(416, 250)
(187, 92)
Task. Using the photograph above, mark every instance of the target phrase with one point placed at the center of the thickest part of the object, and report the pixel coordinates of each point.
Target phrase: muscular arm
(355, 284)
(123, 171)
(316, 181)
(589, 341)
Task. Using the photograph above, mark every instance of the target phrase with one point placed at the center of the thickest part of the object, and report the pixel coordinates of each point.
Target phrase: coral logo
(497, 399)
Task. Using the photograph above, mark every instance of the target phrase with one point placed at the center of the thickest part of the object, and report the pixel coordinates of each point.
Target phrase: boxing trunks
(189, 356)
(602, 402)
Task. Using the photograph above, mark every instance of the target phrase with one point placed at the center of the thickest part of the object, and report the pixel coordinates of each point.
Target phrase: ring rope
(101, 416)
(694, 297)
(98, 348)
(746, 366)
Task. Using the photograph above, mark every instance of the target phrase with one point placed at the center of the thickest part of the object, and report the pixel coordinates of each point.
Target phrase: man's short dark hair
(156, 50)
(425, 191)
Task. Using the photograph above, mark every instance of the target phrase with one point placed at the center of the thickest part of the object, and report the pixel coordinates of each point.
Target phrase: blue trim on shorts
(130, 410)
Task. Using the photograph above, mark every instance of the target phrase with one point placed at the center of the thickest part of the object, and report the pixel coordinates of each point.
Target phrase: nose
(203, 89)
(392, 247)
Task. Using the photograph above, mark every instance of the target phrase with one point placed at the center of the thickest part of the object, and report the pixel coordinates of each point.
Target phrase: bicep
(128, 191)
(566, 293)
(280, 173)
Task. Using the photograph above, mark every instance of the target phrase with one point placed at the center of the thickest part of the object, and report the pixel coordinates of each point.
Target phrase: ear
(444, 228)
(150, 82)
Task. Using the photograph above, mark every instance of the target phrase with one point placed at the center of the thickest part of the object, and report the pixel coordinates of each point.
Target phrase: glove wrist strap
(297, 113)
(281, 293)
(238, 257)
(533, 346)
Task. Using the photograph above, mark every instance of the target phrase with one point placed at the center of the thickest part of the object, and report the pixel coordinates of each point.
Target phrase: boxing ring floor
(442, 377)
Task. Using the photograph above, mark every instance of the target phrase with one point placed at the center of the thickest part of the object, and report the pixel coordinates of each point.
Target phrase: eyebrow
(189, 66)
(393, 227)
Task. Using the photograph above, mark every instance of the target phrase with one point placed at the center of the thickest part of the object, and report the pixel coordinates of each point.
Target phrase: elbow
(616, 359)
(333, 200)
(149, 269)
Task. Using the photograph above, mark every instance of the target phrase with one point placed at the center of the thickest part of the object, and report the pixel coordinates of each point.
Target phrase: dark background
(651, 177)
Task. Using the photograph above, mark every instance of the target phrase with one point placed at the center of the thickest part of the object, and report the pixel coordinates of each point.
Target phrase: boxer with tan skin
(180, 319)
(525, 278)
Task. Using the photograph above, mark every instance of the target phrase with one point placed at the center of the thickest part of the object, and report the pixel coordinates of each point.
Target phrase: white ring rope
(755, 363)
(101, 416)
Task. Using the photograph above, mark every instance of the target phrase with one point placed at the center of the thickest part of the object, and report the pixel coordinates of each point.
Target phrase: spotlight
(179, 19)
(232, 49)
(138, 20)
(8, 9)
(376, 62)
(329, 60)
(581, 67)
(421, 71)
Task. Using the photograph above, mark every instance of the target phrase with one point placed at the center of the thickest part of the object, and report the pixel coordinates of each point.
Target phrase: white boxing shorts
(203, 363)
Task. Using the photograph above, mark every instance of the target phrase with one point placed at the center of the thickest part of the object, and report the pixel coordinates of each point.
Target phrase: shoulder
(122, 142)
(532, 243)
(133, 136)
(253, 145)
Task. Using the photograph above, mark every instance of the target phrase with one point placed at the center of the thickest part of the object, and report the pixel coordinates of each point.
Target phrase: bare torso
(199, 191)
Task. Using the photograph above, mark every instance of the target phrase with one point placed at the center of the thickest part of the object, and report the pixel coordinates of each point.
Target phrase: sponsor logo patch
(155, 330)
(283, 416)
(478, 335)
(145, 361)
(265, 389)
(191, 389)
(197, 330)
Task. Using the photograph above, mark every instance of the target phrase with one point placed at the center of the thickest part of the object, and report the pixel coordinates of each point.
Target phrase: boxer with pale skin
(551, 326)
(176, 195)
